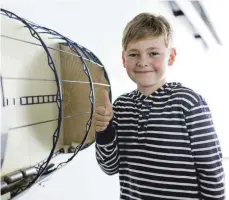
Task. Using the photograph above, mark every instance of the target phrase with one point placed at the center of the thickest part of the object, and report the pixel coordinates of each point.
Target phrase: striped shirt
(164, 146)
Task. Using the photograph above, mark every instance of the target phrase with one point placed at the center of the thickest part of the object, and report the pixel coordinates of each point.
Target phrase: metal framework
(35, 31)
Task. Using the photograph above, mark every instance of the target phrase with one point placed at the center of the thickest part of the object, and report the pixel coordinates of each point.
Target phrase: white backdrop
(98, 25)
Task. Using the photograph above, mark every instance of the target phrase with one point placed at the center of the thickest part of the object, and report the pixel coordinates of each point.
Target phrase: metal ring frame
(35, 31)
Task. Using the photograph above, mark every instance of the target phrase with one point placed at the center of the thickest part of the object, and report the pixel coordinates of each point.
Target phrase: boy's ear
(172, 57)
(123, 59)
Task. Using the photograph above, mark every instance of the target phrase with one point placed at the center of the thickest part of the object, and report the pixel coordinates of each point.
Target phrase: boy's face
(146, 61)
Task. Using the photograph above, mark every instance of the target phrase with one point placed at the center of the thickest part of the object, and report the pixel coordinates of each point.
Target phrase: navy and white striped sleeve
(107, 153)
(206, 151)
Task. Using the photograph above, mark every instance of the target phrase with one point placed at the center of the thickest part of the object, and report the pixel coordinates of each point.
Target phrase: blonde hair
(147, 25)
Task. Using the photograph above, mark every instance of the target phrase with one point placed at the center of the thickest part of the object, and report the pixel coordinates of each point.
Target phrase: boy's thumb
(106, 100)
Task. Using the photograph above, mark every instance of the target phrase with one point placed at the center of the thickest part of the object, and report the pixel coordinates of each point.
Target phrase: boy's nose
(143, 63)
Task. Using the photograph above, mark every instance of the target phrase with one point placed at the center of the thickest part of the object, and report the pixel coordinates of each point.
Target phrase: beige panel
(16, 29)
(23, 60)
(96, 72)
(76, 96)
(19, 88)
(25, 115)
(71, 66)
(28, 146)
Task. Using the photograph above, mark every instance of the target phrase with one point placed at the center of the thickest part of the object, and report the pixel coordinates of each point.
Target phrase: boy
(160, 138)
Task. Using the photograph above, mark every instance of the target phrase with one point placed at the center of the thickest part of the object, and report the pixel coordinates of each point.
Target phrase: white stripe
(115, 122)
(153, 138)
(127, 131)
(198, 107)
(186, 93)
(210, 170)
(113, 165)
(128, 125)
(107, 169)
(125, 107)
(212, 176)
(167, 113)
(157, 174)
(142, 121)
(182, 106)
(166, 119)
(100, 151)
(171, 100)
(159, 189)
(207, 148)
(213, 196)
(108, 153)
(157, 160)
(108, 150)
(209, 162)
(212, 189)
(155, 152)
(155, 181)
(153, 108)
(187, 101)
(174, 94)
(155, 195)
(204, 142)
(212, 182)
(126, 102)
(201, 128)
(163, 102)
(106, 145)
(162, 97)
(125, 97)
(208, 155)
(165, 125)
(128, 113)
(202, 135)
(200, 121)
(198, 114)
(115, 157)
(157, 146)
(167, 106)
(157, 167)
(110, 173)
(132, 197)
(144, 110)
(153, 132)
(98, 156)
(129, 118)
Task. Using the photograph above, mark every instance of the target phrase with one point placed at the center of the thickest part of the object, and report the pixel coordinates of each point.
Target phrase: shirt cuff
(106, 136)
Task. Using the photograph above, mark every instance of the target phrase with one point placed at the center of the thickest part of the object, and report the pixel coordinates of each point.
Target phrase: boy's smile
(146, 61)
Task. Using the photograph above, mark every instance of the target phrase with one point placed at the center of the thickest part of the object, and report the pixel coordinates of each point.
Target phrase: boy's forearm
(106, 136)
(107, 154)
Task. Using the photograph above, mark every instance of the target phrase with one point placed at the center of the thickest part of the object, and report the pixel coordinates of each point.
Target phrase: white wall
(98, 25)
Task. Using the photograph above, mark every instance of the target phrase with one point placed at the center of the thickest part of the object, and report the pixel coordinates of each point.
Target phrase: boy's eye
(154, 53)
(133, 55)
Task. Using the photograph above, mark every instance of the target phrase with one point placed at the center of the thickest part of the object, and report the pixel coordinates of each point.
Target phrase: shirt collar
(163, 90)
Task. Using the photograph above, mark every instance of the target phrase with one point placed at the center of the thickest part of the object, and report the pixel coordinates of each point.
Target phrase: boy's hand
(103, 114)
